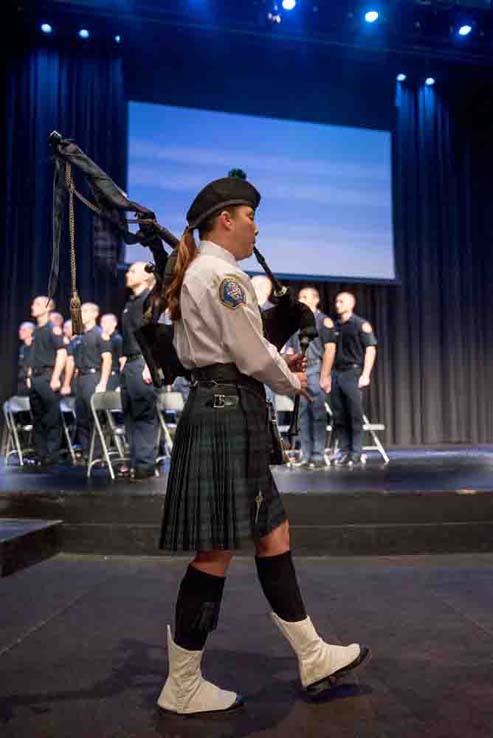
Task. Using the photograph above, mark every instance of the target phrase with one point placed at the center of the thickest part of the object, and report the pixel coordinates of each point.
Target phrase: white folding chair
(285, 404)
(19, 425)
(368, 427)
(168, 403)
(111, 435)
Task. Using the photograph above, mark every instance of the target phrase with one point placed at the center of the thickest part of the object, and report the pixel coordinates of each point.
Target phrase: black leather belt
(224, 374)
(133, 357)
(39, 371)
(92, 370)
(345, 367)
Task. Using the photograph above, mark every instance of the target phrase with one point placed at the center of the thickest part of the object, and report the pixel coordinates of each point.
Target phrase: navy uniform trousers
(47, 423)
(140, 414)
(85, 387)
(346, 401)
(313, 420)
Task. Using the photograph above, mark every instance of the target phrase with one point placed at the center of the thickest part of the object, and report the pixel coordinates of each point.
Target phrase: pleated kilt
(221, 493)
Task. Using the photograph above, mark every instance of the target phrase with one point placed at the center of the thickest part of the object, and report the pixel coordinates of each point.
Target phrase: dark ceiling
(421, 28)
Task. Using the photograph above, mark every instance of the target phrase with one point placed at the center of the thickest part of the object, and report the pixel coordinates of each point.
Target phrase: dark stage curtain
(432, 382)
(80, 95)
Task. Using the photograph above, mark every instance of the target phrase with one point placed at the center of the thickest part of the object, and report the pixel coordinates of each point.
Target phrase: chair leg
(380, 447)
(102, 439)
(17, 442)
(91, 451)
(68, 439)
(116, 439)
(167, 435)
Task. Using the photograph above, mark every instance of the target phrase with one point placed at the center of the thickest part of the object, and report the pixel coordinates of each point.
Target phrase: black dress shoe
(138, 474)
(355, 460)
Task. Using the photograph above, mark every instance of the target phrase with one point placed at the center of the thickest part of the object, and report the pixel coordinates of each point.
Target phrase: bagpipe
(112, 207)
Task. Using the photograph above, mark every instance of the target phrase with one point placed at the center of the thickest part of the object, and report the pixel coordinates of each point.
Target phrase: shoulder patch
(328, 323)
(366, 327)
(231, 293)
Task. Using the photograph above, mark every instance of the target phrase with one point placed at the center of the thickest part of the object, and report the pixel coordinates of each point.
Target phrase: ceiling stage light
(46, 28)
(429, 81)
(401, 77)
(371, 16)
(289, 4)
(465, 30)
(84, 33)
(118, 39)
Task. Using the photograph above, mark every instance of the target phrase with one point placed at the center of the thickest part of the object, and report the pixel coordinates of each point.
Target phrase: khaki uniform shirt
(221, 321)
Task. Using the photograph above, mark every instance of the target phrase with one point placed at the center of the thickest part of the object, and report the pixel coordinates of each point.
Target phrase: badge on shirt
(231, 293)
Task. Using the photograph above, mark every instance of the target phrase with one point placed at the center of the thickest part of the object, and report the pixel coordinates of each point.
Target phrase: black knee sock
(197, 608)
(278, 579)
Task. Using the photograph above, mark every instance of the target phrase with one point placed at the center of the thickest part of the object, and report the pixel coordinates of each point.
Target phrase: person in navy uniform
(26, 342)
(109, 323)
(47, 361)
(139, 399)
(346, 375)
(90, 357)
(313, 415)
(221, 495)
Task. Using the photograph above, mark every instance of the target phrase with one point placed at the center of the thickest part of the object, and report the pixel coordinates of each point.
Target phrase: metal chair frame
(167, 402)
(11, 443)
(107, 403)
(368, 427)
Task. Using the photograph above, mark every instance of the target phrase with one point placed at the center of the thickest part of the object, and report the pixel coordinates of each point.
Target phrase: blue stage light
(371, 16)
(401, 77)
(289, 4)
(465, 30)
(84, 33)
(46, 28)
(118, 39)
(429, 81)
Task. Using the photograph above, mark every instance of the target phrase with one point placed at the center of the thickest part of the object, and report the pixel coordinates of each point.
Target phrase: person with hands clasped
(345, 374)
(46, 363)
(138, 394)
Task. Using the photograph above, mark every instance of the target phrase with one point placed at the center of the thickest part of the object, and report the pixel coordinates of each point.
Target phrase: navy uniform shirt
(315, 351)
(116, 342)
(47, 339)
(23, 363)
(132, 318)
(88, 348)
(352, 338)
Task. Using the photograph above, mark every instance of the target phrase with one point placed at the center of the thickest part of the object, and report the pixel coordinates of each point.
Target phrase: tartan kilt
(221, 493)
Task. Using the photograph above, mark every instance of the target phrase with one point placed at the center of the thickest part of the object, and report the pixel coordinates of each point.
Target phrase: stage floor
(441, 469)
(436, 500)
(82, 650)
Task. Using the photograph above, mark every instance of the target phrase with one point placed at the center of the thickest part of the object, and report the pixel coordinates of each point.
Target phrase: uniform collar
(213, 249)
(141, 296)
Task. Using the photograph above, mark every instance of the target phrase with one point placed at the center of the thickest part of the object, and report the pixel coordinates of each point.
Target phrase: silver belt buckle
(222, 401)
(219, 401)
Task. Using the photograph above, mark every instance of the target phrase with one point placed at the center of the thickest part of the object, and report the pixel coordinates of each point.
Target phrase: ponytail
(186, 252)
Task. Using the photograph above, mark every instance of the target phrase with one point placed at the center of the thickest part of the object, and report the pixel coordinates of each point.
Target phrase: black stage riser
(321, 524)
(23, 543)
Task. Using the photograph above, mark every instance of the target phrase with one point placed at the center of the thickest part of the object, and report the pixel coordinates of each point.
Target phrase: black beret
(221, 194)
